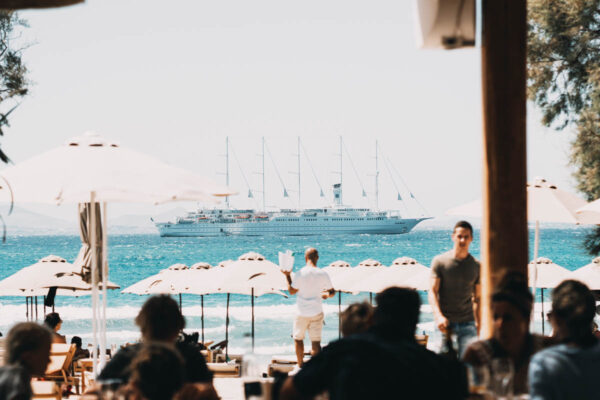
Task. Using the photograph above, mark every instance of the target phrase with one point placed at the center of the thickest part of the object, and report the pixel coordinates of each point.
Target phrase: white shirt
(310, 282)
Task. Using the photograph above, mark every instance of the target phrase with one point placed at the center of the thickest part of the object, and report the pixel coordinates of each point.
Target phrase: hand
(286, 273)
(442, 323)
(325, 295)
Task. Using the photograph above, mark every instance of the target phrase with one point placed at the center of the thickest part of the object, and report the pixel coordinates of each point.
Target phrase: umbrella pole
(94, 260)
(252, 306)
(371, 298)
(202, 317)
(104, 265)
(536, 245)
(543, 319)
(180, 302)
(227, 329)
(339, 314)
(27, 307)
(36, 308)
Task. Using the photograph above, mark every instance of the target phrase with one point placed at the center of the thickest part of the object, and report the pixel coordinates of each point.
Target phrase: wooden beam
(504, 226)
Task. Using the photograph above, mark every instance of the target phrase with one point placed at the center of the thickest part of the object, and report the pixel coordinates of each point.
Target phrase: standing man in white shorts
(312, 285)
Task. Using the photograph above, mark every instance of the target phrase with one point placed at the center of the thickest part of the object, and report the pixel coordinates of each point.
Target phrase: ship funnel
(337, 194)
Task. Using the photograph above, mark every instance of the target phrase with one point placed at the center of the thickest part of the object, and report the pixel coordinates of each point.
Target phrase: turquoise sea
(134, 257)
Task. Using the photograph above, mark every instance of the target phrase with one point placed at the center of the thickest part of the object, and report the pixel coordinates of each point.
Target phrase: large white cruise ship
(315, 221)
(336, 219)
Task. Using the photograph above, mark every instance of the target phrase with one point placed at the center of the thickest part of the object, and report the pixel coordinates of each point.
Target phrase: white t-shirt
(310, 282)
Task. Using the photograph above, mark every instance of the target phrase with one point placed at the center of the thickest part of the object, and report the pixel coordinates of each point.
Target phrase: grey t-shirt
(457, 281)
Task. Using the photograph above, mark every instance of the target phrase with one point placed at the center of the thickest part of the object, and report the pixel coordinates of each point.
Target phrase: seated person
(568, 370)
(79, 351)
(27, 349)
(385, 362)
(512, 303)
(54, 323)
(160, 320)
(357, 318)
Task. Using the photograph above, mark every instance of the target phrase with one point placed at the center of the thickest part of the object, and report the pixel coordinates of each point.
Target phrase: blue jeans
(465, 333)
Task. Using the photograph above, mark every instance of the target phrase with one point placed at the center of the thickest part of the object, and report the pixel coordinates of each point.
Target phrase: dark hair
(157, 371)
(357, 318)
(463, 224)
(512, 288)
(24, 337)
(574, 303)
(160, 318)
(52, 320)
(397, 313)
(312, 254)
(76, 340)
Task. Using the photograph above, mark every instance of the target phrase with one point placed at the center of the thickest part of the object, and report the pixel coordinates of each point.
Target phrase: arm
(441, 321)
(328, 293)
(288, 278)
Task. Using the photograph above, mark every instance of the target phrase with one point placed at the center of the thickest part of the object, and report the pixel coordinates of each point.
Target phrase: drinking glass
(502, 378)
(479, 378)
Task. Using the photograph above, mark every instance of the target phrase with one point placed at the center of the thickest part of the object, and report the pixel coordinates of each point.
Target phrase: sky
(174, 79)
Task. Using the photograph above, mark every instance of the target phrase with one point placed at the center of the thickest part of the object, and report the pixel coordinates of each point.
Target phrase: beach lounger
(45, 390)
(225, 370)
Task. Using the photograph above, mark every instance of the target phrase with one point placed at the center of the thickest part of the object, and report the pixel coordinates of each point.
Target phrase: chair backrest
(2, 351)
(69, 358)
(61, 361)
(60, 348)
(45, 390)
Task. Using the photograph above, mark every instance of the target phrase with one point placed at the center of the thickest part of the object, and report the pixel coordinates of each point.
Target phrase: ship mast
(227, 167)
(376, 176)
(299, 182)
(341, 176)
(263, 176)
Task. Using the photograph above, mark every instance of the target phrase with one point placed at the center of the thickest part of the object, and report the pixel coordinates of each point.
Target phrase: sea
(134, 257)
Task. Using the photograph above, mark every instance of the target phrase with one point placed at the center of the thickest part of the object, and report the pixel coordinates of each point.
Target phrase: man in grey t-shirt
(454, 293)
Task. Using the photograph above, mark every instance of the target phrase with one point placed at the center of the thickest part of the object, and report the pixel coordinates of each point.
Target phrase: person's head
(573, 309)
(160, 319)
(29, 344)
(311, 255)
(157, 371)
(357, 318)
(53, 321)
(462, 235)
(397, 313)
(511, 309)
(76, 340)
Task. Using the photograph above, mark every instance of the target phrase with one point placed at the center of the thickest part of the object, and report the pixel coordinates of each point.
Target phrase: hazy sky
(173, 81)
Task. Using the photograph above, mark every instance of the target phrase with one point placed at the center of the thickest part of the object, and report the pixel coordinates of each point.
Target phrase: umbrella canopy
(589, 274)
(545, 203)
(549, 275)
(90, 163)
(167, 281)
(251, 271)
(404, 271)
(336, 271)
(363, 271)
(50, 271)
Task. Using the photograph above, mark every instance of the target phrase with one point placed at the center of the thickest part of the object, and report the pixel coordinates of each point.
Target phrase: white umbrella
(91, 169)
(404, 271)
(50, 271)
(336, 271)
(589, 274)
(364, 270)
(250, 274)
(544, 274)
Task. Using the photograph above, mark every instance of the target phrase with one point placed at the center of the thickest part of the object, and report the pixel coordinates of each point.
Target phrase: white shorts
(314, 325)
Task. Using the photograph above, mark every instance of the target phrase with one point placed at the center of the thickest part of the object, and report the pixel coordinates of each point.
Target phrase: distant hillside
(25, 222)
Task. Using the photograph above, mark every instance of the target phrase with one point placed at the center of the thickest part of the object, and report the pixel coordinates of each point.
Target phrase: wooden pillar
(504, 226)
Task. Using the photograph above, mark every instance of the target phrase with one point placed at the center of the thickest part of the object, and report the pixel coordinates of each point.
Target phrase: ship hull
(288, 228)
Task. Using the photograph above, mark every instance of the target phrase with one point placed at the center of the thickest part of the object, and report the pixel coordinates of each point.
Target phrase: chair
(223, 370)
(59, 368)
(45, 390)
(2, 351)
